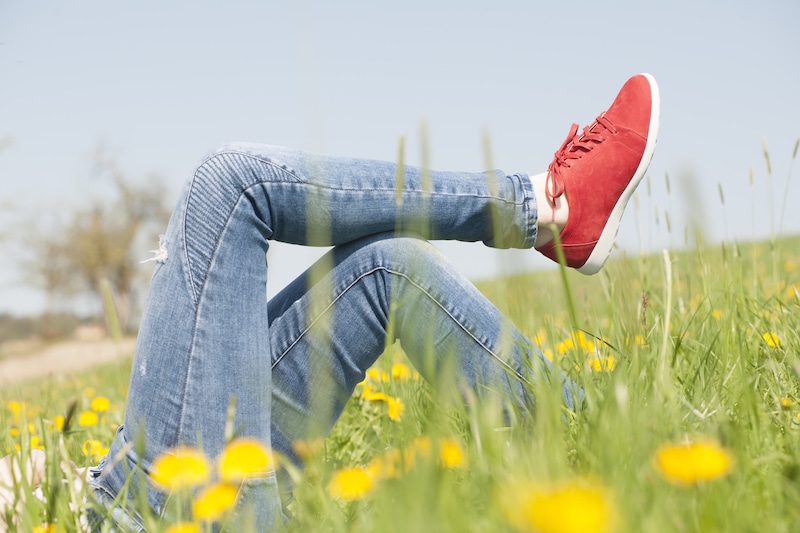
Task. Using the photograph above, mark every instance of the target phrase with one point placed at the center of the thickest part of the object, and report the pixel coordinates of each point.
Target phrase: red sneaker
(599, 169)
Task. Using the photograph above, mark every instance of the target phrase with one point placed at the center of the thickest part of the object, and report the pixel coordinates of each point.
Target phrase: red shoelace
(573, 147)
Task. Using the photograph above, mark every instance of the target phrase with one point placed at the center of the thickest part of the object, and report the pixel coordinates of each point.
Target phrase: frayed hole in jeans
(160, 255)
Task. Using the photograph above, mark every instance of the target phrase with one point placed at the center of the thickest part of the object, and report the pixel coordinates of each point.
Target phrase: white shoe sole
(602, 249)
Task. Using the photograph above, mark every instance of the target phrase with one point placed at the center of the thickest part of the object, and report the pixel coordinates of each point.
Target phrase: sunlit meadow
(690, 419)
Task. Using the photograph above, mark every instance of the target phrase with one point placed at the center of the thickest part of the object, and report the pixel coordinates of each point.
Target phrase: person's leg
(204, 336)
(328, 328)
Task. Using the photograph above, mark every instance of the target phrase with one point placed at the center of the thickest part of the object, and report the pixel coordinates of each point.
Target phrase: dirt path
(63, 358)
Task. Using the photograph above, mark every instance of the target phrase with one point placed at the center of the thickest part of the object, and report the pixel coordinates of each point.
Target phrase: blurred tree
(47, 265)
(100, 243)
(101, 239)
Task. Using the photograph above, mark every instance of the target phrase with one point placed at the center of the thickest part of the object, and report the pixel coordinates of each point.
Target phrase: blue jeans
(208, 333)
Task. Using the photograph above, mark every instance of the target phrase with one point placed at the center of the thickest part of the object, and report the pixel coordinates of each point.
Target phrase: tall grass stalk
(786, 188)
(110, 308)
(663, 374)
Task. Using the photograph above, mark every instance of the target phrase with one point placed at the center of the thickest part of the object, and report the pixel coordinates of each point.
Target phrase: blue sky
(161, 83)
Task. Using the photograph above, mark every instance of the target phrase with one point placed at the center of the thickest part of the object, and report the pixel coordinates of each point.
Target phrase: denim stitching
(196, 295)
(302, 180)
(421, 289)
(222, 156)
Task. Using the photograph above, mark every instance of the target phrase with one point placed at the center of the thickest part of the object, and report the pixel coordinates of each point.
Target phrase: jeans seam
(303, 181)
(197, 295)
(197, 303)
(420, 288)
(222, 155)
(283, 168)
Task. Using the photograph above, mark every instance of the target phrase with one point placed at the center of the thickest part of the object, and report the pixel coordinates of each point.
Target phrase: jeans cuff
(530, 209)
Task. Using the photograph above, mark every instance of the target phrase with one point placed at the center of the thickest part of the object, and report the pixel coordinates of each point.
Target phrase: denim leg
(202, 344)
(325, 334)
(321, 200)
(204, 339)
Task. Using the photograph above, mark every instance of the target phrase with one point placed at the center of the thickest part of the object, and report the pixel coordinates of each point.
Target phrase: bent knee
(395, 251)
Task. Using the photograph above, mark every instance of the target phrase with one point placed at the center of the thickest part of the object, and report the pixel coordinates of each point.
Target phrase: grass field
(691, 417)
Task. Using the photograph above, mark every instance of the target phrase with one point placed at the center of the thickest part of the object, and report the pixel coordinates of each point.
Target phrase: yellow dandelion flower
(540, 337)
(183, 527)
(771, 339)
(793, 291)
(422, 445)
(577, 506)
(306, 449)
(212, 503)
(787, 402)
(584, 343)
(376, 467)
(100, 404)
(21, 410)
(34, 444)
(565, 346)
(94, 449)
(692, 462)
(409, 458)
(352, 483)
(602, 363)
(395, 405)
(385, 466)
(14, 432)
(548, 353)
(371, 396)
(377, 375)
(396, 408)
(242, 458)
(717, 314)
(58, 422)
(45, 528)
(181, 468)
(18, 410)
(400, 372)
(451, 455)
(87, 419)
(367, 391)
(393, 462)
